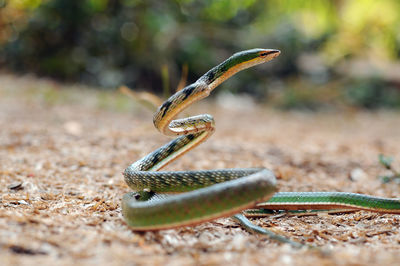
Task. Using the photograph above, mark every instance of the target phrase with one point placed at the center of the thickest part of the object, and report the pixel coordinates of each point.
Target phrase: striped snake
(210, 194)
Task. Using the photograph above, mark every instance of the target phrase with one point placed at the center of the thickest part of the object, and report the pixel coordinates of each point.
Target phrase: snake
(170, 199)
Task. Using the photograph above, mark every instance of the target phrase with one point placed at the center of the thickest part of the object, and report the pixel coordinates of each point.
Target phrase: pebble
(15, 186)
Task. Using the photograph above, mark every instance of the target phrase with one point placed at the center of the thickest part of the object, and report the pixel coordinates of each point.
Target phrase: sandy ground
(62, 153)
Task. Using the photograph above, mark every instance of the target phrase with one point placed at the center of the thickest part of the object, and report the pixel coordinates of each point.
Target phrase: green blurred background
(334, 53)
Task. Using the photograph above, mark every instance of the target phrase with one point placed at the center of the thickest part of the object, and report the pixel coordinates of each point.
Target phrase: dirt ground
(62, 152)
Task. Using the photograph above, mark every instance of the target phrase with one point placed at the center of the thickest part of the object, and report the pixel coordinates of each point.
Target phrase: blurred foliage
(144, 44)
(372, 93)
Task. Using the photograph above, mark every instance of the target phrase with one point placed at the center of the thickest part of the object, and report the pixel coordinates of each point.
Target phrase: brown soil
(62, 152)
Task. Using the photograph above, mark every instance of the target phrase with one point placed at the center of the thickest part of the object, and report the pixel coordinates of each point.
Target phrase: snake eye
(264, 54)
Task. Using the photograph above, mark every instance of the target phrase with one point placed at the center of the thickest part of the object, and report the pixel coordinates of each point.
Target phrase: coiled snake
(211, 194)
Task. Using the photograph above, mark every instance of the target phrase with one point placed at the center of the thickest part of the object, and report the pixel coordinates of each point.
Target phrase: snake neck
(177, 103)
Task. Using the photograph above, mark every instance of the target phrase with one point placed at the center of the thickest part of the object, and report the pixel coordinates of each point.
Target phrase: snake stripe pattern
(210, 194)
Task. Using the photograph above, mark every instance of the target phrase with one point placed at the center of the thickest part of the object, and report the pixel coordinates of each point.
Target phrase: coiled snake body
(211, 194)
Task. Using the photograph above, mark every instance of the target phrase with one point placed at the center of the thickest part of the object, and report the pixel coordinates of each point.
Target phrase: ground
(63, 149)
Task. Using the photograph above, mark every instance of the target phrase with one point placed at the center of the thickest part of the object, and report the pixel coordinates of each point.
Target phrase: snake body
(211, 194)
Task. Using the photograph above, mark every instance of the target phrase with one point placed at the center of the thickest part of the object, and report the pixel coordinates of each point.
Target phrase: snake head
(253, 57)
(268, 53)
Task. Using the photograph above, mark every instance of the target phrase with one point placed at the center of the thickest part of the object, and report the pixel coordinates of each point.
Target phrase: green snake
(210, 194)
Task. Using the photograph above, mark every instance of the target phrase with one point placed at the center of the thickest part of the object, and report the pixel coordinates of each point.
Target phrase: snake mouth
(274, 53)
